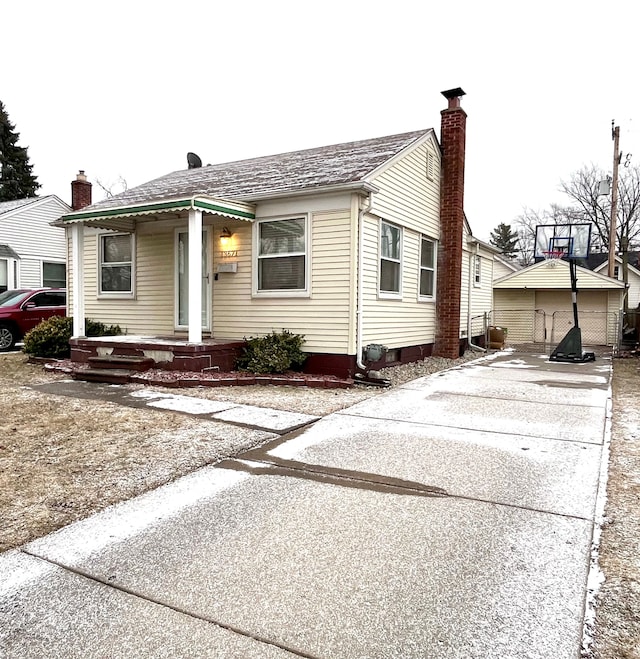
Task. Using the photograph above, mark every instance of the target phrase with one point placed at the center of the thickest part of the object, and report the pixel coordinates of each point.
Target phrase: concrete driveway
(451, 517)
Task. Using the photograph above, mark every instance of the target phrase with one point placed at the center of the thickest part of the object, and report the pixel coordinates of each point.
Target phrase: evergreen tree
(505, 239)
(16, 178)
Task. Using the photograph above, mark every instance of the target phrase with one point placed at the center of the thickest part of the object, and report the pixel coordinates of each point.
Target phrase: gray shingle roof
(6, 206)
(350, 162)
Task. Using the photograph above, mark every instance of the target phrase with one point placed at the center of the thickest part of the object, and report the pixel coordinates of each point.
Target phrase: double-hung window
(477, 271)
(282, 256)
(428, 254)
(390, 260)
(116, 263)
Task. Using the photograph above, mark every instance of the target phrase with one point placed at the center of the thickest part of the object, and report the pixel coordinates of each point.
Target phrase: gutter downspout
(472, 345)
(359, 310)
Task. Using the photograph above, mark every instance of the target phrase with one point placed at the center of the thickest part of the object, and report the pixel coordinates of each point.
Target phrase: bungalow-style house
(535, 304)
(361, 247)
(32, 252)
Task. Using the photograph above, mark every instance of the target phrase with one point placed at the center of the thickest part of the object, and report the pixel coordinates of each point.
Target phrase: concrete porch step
(130, 362)
(108, 375)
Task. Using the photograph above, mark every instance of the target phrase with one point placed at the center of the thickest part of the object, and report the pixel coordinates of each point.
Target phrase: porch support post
(77, 262)
(195, 276)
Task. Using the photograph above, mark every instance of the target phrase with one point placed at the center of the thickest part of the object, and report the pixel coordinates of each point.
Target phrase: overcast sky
(126, 89)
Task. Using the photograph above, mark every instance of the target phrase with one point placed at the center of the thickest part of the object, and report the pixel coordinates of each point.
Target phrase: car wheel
(7, 337)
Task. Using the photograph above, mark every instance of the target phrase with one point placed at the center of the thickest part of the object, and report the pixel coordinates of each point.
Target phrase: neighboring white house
(32, 252)
(633, 275)
(535, 304)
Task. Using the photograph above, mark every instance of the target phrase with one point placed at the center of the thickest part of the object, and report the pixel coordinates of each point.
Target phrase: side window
(390, 276)
(116, 263)
(477, 270)
(54, 274)
(428, 254)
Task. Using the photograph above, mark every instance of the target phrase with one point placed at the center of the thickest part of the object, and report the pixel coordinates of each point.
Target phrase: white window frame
(116, 294)
(432, 297)
(287, 292)
(390, 295)
(477, 270)
(56, 262)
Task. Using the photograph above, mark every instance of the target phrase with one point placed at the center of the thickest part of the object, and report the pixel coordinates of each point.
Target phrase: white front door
(182, 280)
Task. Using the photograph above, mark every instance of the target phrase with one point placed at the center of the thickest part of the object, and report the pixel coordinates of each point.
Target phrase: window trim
(390, 295)
(284, 293)
(434, 269)
(128, 295)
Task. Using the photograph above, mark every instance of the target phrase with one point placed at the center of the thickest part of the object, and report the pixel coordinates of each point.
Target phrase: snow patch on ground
(118, 523)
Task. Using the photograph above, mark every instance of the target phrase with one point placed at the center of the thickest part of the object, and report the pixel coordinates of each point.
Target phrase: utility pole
(615, 134)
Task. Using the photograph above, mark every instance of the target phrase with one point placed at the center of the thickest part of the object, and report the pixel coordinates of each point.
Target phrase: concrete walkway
(451, 517)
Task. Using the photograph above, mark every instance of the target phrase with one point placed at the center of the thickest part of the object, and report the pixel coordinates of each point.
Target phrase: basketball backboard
(563, 240)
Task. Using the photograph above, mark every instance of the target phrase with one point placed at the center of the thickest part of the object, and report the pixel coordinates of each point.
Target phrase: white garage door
(558, 309)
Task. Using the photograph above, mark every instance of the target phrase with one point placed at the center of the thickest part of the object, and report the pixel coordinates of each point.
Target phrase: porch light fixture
(225, 235)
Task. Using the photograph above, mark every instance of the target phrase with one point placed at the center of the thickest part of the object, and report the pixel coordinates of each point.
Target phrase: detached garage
(535, 304)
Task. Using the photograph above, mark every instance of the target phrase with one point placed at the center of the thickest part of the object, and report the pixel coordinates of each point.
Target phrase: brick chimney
(452, 139)
(80, 192)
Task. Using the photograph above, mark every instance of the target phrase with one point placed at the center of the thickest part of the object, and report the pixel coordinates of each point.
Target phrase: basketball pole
(570, 348)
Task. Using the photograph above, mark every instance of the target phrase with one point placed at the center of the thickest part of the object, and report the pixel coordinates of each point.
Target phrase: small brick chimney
(80, 192)
(452, 139)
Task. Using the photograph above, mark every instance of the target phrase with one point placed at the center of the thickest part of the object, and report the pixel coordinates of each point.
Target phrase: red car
(22, 309)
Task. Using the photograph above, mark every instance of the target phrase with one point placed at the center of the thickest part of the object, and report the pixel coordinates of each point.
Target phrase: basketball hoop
(553, 256)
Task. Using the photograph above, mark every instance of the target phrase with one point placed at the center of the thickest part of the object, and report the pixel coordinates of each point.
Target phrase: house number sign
(230, 254)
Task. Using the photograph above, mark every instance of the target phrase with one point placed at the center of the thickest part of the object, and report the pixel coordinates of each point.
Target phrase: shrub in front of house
(51, 337)
(274, 353)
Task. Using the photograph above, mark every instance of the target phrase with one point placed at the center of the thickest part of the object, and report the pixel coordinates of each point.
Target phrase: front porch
(170, 353)
(171, 361)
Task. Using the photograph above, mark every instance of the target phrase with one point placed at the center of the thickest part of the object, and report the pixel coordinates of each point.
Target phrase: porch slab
(170, 353)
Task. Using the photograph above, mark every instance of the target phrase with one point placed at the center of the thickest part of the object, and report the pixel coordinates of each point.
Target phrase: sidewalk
(451, 517)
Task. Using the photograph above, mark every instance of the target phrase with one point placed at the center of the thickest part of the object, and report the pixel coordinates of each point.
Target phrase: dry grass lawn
(62, 459)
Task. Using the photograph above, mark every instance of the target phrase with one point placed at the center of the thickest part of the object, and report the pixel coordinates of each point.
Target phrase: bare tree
(527, 222)
(583, 188)
(114, 188)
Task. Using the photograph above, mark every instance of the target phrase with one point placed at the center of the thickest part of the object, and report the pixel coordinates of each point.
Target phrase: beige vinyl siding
(395, 322)
(151, 312)
(634, 290)
(515, 310)
(28, 232)
(546, 275)
(323, 318)
(407, 196)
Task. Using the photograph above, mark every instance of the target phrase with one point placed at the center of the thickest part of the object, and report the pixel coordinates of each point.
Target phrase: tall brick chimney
(452, 139)
(80, 192)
